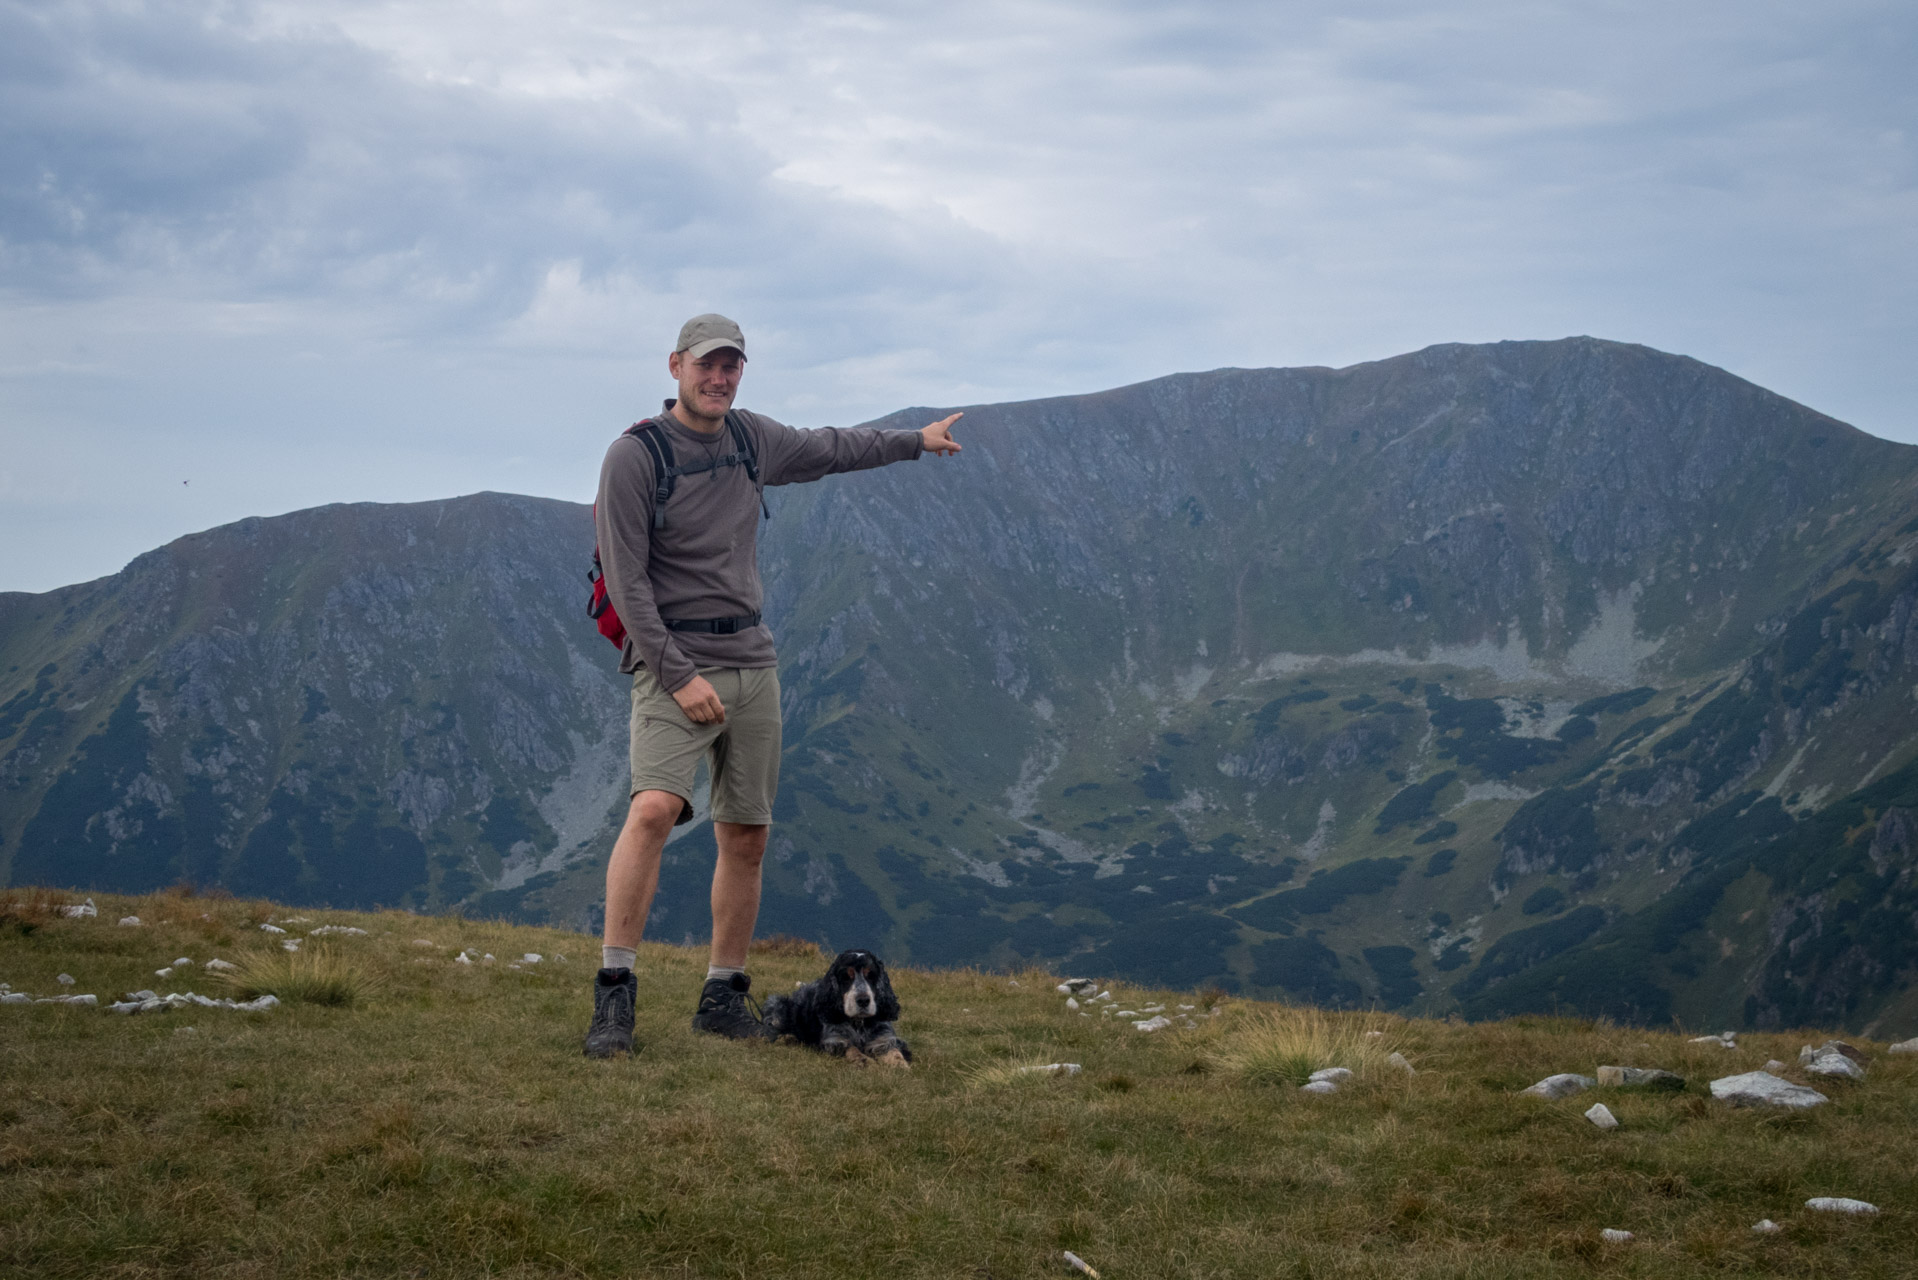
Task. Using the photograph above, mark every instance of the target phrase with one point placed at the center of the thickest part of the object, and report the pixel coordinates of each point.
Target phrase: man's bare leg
(742, 848)
(632, 873)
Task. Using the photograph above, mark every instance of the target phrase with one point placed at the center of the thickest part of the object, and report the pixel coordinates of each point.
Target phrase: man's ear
(673, 362)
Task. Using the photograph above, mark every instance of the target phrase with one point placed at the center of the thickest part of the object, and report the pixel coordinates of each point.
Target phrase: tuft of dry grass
(785, 946)
(24, 910)
(321, 976)
(1285, 1044)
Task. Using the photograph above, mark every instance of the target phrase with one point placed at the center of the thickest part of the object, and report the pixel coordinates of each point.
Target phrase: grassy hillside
(443, 1123)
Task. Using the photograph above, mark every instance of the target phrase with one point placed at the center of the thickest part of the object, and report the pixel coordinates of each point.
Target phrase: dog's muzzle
(860, 1002)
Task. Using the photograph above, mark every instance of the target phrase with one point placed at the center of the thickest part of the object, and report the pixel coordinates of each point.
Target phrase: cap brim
(711, 345)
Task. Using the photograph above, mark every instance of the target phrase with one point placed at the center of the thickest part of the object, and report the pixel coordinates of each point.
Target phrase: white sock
(720, 971)
(618, 957)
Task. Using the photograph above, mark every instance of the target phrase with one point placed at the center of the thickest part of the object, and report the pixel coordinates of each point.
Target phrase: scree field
(405, 1114)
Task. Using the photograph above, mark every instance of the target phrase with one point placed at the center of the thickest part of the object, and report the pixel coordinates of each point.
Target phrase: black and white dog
(848, 1013)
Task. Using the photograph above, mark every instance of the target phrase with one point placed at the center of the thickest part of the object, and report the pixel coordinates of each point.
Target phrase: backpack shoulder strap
(746, 444)
(665, 473)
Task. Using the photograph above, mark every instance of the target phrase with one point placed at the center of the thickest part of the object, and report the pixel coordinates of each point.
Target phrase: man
(686, 586)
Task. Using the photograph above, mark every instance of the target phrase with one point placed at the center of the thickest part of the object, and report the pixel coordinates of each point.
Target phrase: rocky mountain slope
(1536, 675)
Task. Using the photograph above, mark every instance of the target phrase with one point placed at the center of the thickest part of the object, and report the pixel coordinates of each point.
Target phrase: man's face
(707, 385)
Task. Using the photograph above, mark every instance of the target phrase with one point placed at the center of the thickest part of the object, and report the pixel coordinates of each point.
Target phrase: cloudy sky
(257, 256)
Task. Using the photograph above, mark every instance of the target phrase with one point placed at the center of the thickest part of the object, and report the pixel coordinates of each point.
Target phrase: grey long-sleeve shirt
(705, 562)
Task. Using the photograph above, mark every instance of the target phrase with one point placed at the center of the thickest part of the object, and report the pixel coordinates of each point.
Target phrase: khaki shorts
(742, 752)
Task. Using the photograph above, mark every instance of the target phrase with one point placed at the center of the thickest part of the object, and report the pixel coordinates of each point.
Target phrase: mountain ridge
(1101, 691)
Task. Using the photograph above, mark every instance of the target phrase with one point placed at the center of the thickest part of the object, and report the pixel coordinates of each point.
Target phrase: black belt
(713, 626)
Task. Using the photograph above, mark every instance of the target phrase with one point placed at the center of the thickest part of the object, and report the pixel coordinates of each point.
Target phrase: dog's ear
(887, 1002)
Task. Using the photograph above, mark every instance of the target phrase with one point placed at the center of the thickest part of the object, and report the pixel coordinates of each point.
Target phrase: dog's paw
(893, 1058)
(855, 1057)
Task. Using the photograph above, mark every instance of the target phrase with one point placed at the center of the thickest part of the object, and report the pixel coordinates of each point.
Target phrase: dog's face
(864, 990)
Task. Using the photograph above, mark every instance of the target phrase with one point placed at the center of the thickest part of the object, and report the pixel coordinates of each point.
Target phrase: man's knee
(656, 811)
(741, 842)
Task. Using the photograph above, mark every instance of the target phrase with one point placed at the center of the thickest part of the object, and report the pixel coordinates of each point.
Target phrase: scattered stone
(182, 962)
(15, 997)
(1774, 1066)
(291, 944)
(1650, 1078)
(1337, 1075)
(1319, 1086)
(1729, 1039)
(80, 910)
(1158, 1023)
(1841, 1204)
(560, 959)
(1559, 1086)
(487, 958)
(1839, 1046)
(274, 928)
(296, 919)
(221, 966)
(65, 979)
(423, 942)
(1766, 1227)
(1374, 1035)
(1398, 1060)
(343, 930)
(462, 958)
(1052, 1069)
(1077, 1263)
(90, 1001)
(163, 973)
(129, 922)
(1755, 1088)
(1071, 1003)
(1835, 1064)
(1187, 1008)
(1612, 1235)
(1905, 1046)
(531, 957)
(138, 996)
(1125, 1013)
(1601, 1115)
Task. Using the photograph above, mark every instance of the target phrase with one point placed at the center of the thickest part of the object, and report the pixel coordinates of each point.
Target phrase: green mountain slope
(1397, 684)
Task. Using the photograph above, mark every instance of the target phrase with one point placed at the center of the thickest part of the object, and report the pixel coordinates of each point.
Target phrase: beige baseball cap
(707, 333)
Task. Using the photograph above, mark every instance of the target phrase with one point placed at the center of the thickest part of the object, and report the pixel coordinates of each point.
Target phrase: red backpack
(599, 605)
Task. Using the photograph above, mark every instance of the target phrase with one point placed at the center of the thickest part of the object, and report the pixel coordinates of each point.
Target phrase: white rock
(1071, 1003)
(1563, 1085)
(1159, 1023)
(1398, 1060)
(1064, 989)
(1187, 1008)
(1337, 1075)
(1319, 1086)
(531, 957)
(142, 996)
(15, 997)
(1601, 1115)
(560, 959)
(341, 930)
(1840, 1204)
(487, 958)
(260, 1005)
(80, 910)
(1766, 1227)
(1612, 1235)
(182, 962)
(1727, 1039)
(1374, 1035)
(462, 958)
(65, 979)
(1125, 1013)
(153, 1006)
(274, 928)
(1052, 1069)
(130, 922)
(1905, 1046)
(1755, 1088)
(290, 944)
(424, 942)
(1805, 1054)
(221, 966)
(515, 968)
(1835, 1064)
(1774, 1066)
(163, 973)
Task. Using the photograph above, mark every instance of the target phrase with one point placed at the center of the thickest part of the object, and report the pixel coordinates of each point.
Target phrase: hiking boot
(726, 1010)
(612, 1031)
